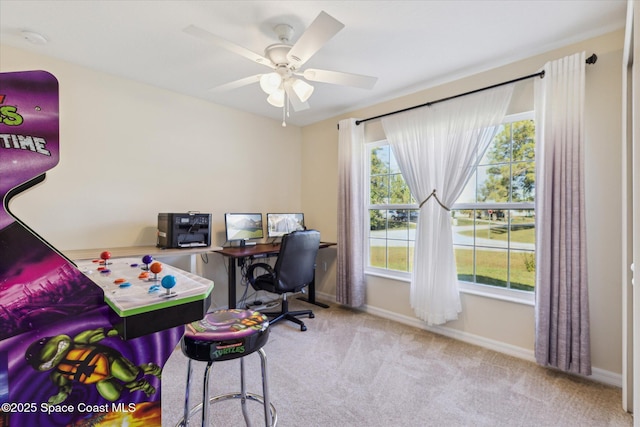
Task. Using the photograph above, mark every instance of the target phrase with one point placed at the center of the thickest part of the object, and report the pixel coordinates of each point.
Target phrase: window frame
(483, 290)
(377, 271)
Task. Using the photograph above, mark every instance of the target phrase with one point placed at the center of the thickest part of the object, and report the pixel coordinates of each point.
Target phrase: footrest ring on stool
(222, 397)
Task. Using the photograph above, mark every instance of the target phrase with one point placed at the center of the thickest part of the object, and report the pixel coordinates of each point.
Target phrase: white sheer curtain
(437, 149)
(562, 307)
(350, 286)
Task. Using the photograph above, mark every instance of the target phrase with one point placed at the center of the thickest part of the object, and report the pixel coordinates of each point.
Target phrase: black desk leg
(312, 294)
(231, 287)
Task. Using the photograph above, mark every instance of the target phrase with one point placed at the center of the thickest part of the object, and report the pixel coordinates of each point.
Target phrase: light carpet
(355, 369)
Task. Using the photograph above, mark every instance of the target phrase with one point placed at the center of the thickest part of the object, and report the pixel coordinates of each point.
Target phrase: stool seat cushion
(225, 334)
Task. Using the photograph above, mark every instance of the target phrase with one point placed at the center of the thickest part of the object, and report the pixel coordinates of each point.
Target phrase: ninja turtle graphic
(82, 360)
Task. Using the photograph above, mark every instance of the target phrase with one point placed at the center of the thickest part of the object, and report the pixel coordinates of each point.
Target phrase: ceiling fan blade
(237, 83)
(225, 44)
(339, 78)
(321, 30)
(296, 103)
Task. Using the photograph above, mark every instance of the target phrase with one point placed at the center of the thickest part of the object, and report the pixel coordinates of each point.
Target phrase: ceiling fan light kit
(285, 84)
(270, 82)
(276, 98)
(302, 89)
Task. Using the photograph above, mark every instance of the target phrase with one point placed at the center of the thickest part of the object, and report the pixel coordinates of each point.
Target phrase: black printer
(184, 230)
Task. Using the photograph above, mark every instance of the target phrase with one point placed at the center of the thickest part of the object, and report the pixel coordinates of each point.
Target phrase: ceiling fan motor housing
(277, 53)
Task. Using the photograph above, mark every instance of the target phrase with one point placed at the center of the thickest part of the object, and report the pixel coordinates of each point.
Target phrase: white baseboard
(599, 375)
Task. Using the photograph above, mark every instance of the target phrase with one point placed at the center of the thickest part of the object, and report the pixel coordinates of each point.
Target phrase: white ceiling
(408, 45)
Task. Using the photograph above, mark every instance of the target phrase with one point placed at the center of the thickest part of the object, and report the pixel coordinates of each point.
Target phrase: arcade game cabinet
(62, 363)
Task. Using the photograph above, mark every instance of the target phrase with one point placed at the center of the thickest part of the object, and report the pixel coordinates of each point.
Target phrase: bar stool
(225, 335)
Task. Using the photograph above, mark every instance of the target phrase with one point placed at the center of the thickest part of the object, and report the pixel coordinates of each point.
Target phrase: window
(393, 213)
(493, 221)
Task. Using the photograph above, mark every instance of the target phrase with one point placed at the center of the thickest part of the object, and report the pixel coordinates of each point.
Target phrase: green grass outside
(499, 231)
(400, 259)
(491, 268)
(491, 265)
(522, 229)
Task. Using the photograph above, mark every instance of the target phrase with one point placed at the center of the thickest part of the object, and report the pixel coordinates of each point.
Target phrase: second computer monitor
(279, 224)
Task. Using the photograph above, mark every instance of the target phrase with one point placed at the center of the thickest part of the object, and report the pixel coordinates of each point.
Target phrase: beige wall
(506, 325)
(129, 151)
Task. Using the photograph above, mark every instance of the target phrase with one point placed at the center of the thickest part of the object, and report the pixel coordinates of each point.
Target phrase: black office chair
(294, 269)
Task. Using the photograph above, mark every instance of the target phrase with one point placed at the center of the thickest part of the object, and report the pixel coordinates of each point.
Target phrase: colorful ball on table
(105, 255)
(155, 268)
(147, 259)
(168, 282)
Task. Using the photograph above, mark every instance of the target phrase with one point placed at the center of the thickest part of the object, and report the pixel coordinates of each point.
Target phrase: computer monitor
(279, 224)
(243, 226)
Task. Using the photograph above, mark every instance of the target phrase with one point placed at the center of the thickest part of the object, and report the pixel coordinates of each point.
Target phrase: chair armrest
(264, 266)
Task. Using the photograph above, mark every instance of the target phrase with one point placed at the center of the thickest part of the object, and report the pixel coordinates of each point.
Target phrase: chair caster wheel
(311, 316)
(303, 328)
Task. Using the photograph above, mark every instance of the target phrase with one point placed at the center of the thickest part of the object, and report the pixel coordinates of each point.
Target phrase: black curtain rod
(590, 60)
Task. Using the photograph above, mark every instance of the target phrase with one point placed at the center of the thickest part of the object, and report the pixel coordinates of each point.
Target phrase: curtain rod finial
(592, 59)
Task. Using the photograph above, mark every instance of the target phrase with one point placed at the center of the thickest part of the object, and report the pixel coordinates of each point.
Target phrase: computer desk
(260, 250)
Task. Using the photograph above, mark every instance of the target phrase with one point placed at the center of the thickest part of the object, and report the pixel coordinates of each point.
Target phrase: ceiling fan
(286, 84)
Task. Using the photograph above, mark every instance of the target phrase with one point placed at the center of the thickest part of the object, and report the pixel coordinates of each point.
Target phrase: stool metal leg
(205, 395)
(243, 394)
(185, 420)
(268, 418)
